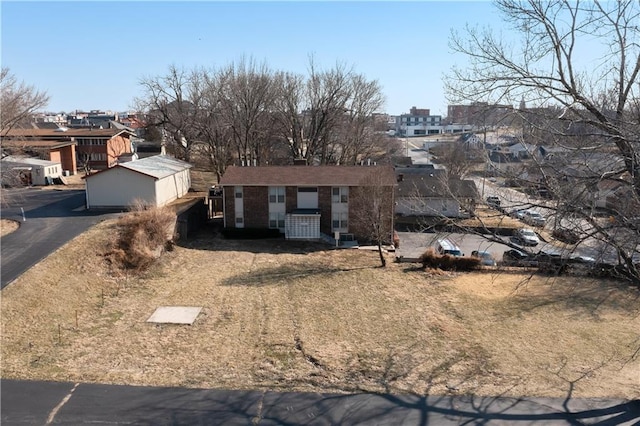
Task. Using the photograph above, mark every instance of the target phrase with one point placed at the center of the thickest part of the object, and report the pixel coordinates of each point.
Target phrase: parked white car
(526, 237)
(533, 218)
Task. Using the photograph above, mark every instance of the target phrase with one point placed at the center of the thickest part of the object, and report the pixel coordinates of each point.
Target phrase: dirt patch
(298, 316)
(7, 226)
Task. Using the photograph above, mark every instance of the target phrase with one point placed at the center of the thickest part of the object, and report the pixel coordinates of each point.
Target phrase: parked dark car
(515, 257)
(493, 202)
(552, 262)
(566, 235)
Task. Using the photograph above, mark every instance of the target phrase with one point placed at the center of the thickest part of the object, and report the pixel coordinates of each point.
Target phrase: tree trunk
(383, 261)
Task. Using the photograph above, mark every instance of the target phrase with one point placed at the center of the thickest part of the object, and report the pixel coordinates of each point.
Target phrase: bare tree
(359, 140)
(174, 105)
(371, 207)
(246, 112)
(247, 93)
(595, 103)
(17, 101)
(328, 117)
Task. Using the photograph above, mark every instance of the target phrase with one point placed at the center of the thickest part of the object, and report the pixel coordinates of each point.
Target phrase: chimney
(242, 163)
(255, 162)
(369, 162)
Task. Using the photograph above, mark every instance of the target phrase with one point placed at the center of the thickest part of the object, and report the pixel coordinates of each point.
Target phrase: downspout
(393, 211)
(224, 207)
(86, 196)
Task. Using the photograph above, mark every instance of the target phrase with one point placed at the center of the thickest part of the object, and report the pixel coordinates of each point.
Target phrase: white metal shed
(41, 171)
(155, 181)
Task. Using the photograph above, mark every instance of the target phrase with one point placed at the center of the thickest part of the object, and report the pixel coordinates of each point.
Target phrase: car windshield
(528, 233)
(536, 215)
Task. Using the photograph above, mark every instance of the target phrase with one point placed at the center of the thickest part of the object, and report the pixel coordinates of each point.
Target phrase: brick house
(304, 202)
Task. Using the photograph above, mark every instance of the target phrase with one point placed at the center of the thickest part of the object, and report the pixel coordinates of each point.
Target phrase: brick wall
(324, 203)
(291, 198)
(229, 206)
(256, 206)
(356, 225)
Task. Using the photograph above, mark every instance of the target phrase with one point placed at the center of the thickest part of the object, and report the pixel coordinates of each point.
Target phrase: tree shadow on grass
(591, 298)
(366, 407)
(286, 274)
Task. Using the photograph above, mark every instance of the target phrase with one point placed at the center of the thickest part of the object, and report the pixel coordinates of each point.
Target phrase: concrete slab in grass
(175, 315)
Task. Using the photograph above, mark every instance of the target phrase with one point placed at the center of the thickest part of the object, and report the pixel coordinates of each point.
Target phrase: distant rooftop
(29, 160)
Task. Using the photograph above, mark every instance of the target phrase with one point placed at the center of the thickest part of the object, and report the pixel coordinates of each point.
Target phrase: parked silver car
(526, 237)
(485, 257)
(533, 218)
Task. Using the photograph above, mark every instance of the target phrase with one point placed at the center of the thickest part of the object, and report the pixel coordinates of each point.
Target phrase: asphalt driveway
(74, 404)
(48, 219)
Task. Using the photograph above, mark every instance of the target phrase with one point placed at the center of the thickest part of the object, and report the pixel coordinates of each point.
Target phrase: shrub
(144, 234)
(250, 233)
(430, 259)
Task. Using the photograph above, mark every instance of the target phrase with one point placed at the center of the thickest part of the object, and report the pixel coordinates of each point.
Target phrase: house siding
(119, 188)
(172, 187)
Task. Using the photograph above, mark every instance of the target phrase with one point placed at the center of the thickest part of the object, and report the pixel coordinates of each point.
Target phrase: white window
(239, 220)
(276, 194)
(276, 220)
(238, 191)
(340, 194)
(339, 221)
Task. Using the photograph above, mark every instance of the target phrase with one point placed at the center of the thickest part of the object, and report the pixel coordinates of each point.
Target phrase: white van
(445, 246)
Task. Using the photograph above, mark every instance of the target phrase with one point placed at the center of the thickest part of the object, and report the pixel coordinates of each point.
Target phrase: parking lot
(413, 244)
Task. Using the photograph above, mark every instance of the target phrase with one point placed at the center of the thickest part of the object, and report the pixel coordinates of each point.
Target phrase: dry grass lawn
(7, 226)
(295, 316)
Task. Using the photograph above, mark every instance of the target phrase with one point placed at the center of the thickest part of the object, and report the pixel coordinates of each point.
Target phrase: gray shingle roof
(306, 175)
(436, 186)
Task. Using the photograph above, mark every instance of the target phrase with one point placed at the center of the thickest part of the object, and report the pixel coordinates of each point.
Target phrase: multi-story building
(419, 122)
(478, 114)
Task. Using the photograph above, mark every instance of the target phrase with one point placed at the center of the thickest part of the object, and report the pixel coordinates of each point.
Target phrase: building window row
(276, 220)
(276, 194)
(340, 194)
(92, 142)
(95, 156)
(340, 221)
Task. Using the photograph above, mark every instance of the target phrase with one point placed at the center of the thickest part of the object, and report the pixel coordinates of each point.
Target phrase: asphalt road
(42, 403)
(51, 218)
